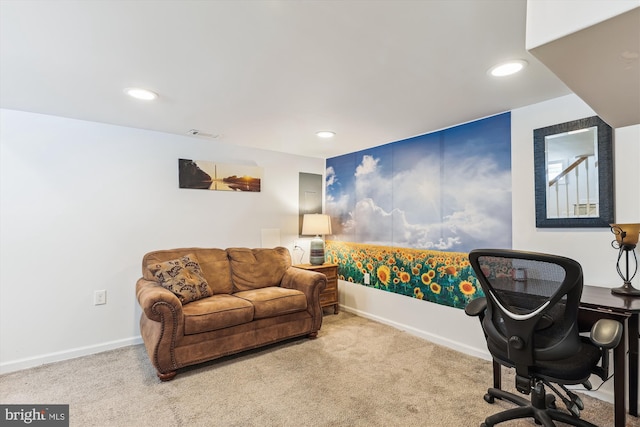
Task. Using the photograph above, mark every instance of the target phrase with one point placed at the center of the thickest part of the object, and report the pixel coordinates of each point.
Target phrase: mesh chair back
(532, 305)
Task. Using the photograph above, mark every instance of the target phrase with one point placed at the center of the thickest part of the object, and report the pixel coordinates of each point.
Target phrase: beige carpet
(357, 373)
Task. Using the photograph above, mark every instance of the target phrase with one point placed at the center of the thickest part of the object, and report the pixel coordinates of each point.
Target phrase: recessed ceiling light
(325, 134)
(508, 68)
(139, 93)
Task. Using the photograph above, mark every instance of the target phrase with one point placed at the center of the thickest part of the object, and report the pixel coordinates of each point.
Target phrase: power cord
(301, 256)
(603, 381)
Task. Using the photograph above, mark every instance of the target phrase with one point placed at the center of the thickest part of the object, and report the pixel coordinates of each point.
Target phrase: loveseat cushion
(274, 301)
(213, 263)
(216, 312)
(257, 268)
(183, 277)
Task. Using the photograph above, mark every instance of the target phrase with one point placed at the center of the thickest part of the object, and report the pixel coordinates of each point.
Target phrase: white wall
(591, 247)
(548, 20)
(82, 202)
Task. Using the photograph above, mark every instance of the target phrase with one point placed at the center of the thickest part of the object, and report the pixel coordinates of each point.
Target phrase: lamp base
(627, 290)
(316, 252)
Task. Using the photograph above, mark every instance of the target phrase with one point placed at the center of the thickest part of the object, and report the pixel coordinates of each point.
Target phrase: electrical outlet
(100, 297)
(367, 279)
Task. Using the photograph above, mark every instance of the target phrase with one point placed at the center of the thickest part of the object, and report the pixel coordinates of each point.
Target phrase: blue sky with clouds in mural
(448, 190)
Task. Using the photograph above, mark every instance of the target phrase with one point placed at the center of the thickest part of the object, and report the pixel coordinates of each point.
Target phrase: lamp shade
(626, 234)
(316, 224)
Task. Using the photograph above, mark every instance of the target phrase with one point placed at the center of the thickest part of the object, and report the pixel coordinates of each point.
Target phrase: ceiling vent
(196, 132)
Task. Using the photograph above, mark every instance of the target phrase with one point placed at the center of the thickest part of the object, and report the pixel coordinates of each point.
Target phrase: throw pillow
(183, 277)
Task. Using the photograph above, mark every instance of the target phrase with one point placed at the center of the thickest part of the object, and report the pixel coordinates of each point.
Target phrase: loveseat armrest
(150, 293)
(161, 322)
(311, 283)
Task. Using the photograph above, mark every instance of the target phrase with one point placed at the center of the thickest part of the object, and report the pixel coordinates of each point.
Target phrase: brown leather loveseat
(201, 304)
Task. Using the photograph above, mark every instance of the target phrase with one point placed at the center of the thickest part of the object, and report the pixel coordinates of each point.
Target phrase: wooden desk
(599, 303)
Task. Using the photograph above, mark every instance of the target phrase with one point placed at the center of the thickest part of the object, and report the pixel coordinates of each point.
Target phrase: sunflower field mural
(441, 277)
(408, 213)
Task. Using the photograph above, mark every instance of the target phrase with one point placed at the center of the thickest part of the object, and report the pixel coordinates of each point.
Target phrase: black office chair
(530, 320)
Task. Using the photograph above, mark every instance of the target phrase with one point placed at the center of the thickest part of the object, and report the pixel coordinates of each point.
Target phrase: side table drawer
(329, 296)
(330, 272)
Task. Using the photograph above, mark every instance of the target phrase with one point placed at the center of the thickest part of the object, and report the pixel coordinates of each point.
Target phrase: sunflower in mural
(467, 288)
(384, 274)
(449, 270)
(426, 277)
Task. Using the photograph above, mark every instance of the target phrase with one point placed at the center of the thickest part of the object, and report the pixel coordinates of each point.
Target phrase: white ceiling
(269, 74)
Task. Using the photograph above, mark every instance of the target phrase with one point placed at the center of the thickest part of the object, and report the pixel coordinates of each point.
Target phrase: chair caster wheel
(551, 401)
(489, 398)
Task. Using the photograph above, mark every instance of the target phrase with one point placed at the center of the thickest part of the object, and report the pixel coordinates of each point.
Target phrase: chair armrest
(606, 333)
(476, 307)
(150, 293)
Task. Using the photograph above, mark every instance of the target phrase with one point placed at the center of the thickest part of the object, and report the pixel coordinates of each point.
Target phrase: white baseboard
(31, 362)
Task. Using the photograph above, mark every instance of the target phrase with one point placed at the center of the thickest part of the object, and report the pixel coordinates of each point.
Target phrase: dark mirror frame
(605, 174)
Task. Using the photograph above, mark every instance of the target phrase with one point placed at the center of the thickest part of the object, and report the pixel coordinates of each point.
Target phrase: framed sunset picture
(208, 175)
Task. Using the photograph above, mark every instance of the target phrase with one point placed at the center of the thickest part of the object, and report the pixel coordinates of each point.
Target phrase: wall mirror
(309, 196)
(574, 174)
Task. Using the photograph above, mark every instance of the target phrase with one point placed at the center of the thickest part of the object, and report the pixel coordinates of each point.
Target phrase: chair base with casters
(541, 407)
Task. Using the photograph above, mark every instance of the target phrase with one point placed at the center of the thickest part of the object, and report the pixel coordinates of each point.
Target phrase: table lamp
(626, 241)
(316, 224)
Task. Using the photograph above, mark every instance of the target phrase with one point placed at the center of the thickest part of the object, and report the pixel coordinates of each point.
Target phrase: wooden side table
(328, 297)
